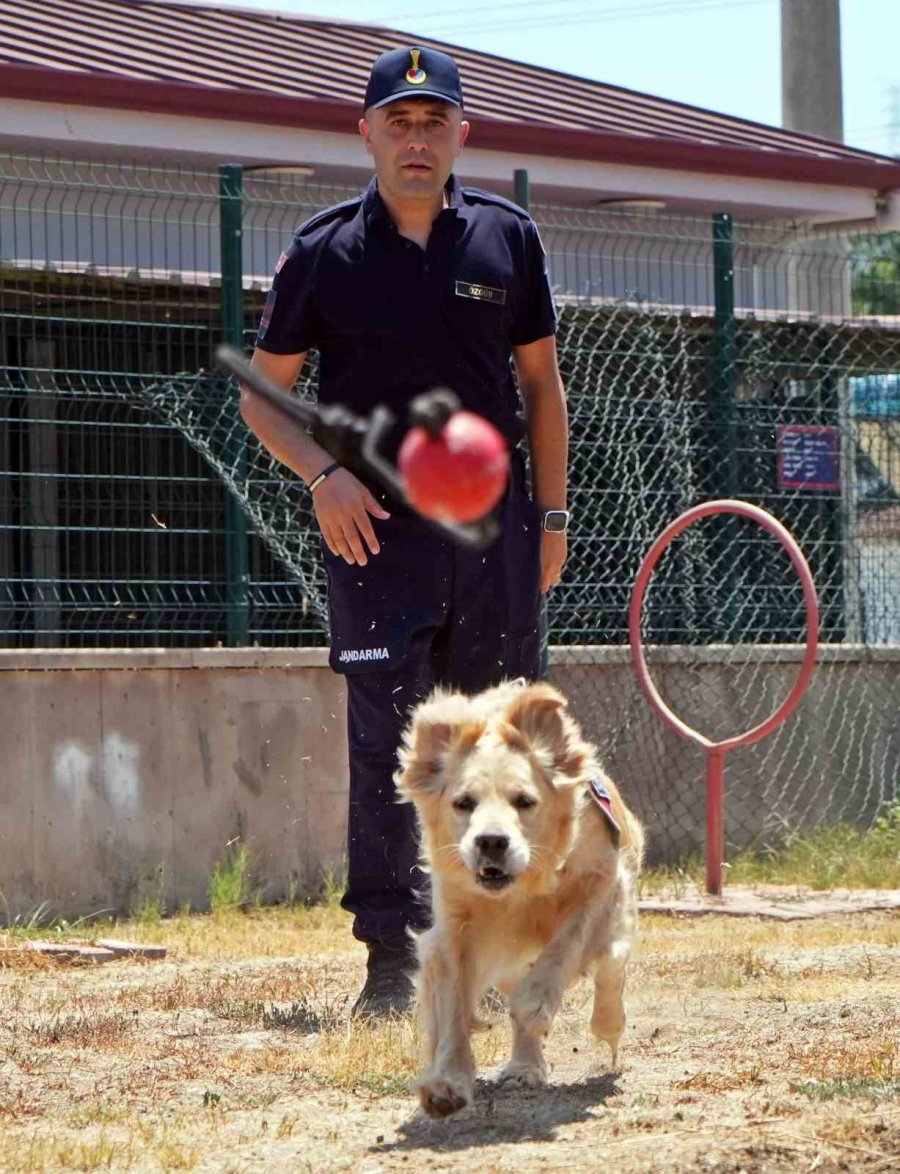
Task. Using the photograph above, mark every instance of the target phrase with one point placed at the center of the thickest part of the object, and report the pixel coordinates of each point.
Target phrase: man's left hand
(553, 555)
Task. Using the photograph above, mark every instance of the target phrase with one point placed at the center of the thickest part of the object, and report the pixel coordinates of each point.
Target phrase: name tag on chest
(480, 293)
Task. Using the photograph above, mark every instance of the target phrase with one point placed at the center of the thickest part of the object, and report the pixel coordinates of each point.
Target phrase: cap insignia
(414, 75)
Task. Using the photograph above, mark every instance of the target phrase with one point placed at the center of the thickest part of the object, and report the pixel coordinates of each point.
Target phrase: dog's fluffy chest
(515, 928)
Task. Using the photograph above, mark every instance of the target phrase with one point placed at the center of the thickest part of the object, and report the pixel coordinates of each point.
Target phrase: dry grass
(254, 933)
(759, 1046)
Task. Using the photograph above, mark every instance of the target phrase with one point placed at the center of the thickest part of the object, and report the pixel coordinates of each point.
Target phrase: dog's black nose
(492, 845)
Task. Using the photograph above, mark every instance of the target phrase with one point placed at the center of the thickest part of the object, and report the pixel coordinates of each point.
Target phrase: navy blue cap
(413, 73)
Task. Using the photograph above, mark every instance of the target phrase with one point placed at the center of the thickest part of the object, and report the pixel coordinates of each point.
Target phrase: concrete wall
(117, 764)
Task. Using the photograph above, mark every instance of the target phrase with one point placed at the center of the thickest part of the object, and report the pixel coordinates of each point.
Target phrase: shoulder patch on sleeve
(477, 196)
(335, 212)
(266, 314)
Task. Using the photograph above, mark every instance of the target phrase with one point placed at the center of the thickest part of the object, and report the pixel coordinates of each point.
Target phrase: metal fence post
(231, 176)
(521, 194)
(724, 479)
(522, 197)
(724, 357)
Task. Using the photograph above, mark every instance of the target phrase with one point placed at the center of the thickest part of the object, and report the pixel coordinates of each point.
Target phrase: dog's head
(495, 779)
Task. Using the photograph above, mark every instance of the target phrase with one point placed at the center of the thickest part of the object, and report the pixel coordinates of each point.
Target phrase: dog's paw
(533, 1008)
(608, 1024)
(520, 1075)
(441, 1096)
(612, 1042)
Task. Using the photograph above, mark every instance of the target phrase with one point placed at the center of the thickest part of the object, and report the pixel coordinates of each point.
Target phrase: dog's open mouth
(492, 878)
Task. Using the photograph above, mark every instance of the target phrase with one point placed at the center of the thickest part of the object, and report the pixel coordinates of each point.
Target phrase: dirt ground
(753, 1045)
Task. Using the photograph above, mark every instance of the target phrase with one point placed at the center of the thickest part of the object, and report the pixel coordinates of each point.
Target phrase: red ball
(459, 475)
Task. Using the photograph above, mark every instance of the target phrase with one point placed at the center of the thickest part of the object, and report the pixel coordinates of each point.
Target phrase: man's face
(414, 143)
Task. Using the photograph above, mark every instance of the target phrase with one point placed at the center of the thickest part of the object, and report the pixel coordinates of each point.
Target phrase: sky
(721, 54)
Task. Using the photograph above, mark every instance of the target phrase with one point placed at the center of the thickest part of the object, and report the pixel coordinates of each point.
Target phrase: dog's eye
(464, 803)
(524, 802)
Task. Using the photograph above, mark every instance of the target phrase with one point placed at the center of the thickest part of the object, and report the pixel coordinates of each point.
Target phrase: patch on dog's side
(533, 859)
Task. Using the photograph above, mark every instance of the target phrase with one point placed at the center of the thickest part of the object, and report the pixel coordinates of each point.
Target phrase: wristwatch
(556, 521)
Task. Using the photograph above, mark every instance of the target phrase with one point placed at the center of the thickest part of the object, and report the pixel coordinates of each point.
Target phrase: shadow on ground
(506, 1115)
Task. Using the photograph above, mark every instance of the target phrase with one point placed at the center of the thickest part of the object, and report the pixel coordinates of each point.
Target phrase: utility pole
(817, 273)
(811, 93)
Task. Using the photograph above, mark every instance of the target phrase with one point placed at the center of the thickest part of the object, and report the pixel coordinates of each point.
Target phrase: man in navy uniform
(418, 283)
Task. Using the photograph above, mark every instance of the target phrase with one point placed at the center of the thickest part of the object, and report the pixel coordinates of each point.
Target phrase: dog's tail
(631, 843)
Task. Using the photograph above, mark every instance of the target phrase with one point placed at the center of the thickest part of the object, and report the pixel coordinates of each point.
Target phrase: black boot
(388, 990)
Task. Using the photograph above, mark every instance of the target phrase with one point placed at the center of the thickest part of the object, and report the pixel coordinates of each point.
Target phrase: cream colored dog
(533, 859)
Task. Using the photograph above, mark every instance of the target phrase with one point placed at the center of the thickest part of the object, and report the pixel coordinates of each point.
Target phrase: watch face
(556, 521)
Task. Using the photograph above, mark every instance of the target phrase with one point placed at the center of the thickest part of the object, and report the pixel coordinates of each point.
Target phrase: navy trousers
(423, 612)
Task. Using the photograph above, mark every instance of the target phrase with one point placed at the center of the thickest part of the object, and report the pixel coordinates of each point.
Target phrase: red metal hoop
(716, 751)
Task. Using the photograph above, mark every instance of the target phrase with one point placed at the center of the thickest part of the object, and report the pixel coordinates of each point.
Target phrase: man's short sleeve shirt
(391, 320)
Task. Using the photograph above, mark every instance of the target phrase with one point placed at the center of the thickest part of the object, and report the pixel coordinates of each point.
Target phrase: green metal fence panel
(231, 177)
(758, 358)
(114, 525)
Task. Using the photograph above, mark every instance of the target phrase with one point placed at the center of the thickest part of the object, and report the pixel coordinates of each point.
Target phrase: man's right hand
(344, 509)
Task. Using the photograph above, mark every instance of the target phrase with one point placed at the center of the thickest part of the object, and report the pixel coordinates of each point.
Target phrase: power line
(637, 8)
(555, 18)
(883, 137)
(877, 126)
(552, 6)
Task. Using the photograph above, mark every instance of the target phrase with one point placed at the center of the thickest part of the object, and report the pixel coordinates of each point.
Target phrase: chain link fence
(115, 527)
(775, 378)
(702, 358)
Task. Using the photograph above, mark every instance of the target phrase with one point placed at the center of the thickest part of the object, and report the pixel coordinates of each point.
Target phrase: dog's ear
(538, 720)
(427, 744)
(422, 752)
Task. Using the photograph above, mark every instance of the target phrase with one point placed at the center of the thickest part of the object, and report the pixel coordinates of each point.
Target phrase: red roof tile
(203, 58)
